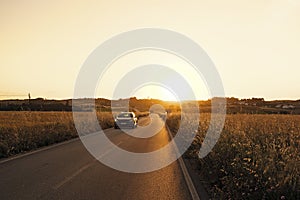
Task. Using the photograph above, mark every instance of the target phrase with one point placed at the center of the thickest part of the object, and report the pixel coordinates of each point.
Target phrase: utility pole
(29, 97)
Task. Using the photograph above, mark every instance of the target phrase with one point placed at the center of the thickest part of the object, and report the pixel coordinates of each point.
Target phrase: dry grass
(24, 131)
(256, 157)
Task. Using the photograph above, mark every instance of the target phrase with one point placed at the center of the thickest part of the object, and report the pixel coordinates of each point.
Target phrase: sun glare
(123, 65)
(155, 92)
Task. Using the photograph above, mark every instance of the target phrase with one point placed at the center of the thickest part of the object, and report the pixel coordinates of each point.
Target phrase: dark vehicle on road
(126, 120)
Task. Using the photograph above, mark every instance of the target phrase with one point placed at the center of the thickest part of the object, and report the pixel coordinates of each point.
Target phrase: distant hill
(234, 105)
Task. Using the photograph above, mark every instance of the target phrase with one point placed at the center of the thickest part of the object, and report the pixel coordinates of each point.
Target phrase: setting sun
(149, 100)
(155, 92)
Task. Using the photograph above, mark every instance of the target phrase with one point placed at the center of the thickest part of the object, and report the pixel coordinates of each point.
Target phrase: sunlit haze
(254, 45)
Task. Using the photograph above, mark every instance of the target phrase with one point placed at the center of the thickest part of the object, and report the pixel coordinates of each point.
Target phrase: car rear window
(126, 115)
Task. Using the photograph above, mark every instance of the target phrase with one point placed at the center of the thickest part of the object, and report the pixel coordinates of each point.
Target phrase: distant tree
(258, 99)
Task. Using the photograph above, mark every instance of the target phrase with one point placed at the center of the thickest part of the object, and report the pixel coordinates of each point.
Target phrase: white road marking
(67, 179)
(37, 151)
(186, 175)
(82, 169)
(45, 148)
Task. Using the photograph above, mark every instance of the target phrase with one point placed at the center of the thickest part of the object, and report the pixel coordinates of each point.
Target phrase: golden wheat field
(24, 131)
(256, 156)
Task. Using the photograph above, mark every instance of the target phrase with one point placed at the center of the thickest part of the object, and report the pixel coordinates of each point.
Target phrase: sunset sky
(255, 45)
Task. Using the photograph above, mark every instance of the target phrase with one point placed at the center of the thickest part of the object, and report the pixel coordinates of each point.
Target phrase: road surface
(68, 171)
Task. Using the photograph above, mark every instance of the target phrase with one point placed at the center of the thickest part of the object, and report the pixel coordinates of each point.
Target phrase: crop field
(256, 156)
(24, 131)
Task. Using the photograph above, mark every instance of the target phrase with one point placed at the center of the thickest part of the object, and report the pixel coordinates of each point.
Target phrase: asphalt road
(68, 171)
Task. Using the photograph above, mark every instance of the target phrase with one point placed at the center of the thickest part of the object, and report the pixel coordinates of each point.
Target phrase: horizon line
(62, 99)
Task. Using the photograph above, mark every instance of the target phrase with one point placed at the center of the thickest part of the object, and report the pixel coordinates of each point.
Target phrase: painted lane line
(45, 148)
(82, 169)
(38, 150)
(69, 178)
(188, 180)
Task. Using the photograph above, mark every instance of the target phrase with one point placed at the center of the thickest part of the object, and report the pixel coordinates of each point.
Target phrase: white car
(126, 120)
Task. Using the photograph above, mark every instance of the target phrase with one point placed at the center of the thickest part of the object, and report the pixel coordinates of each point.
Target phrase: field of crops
(24, 131)
(256, 157)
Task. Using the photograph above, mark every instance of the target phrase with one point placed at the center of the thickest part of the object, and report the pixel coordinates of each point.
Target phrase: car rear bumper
(125, 124)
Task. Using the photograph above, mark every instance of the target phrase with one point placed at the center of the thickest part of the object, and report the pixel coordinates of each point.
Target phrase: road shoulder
(191, 177)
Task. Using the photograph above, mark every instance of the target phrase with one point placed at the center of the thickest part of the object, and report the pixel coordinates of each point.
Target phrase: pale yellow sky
(254, 44)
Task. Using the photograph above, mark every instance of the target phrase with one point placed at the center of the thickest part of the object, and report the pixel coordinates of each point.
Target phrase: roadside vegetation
(256, 157)
(27, 130)
(22, 131)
